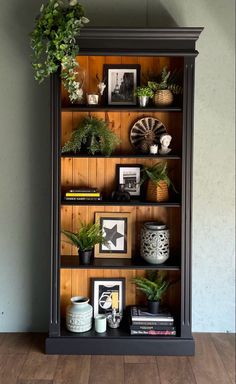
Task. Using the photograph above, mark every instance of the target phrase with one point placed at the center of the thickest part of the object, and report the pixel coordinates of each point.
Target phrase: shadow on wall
(131, 13)
(37, 146)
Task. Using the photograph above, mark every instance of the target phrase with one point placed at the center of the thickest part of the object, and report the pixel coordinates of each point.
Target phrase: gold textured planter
(158, 192)
(163, 97)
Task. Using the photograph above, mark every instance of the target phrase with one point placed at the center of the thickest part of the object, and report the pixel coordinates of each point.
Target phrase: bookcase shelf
(151, 49)
(71, 262)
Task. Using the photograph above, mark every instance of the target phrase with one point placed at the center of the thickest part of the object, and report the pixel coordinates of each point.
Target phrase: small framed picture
(130, 176)
(122, 80)
(108, 294)
(116, 227)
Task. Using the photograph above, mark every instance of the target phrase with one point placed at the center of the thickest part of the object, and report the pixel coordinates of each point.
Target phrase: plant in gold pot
(154, 286)
(164, 89)
(85, 239)
(158, 182)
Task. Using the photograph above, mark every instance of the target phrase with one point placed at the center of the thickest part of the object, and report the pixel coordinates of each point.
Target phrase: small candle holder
(153, 149)
(92, 99)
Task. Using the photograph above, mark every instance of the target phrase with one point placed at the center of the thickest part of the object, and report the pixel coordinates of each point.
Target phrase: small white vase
(79, 315)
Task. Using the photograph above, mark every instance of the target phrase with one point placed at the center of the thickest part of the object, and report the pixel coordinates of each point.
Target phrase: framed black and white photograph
(108, 294)
(130, 176)
(122, 80)
(116, 228)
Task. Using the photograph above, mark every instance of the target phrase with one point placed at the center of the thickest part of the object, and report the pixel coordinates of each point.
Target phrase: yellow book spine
(70, 194)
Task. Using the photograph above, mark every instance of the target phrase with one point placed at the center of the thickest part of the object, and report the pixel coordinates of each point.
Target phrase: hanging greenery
(54, 44)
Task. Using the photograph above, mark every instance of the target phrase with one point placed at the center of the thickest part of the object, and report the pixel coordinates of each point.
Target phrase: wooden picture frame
(106, 294)
(121, 81)
(130, 176)
(117, 228)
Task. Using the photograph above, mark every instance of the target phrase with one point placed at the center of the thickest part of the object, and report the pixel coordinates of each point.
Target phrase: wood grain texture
(39, 366)
(72, 370)
(35, 381)
(175, 370)
(10, 367)
(141, 373)
(14, 343)
(207, 365)
(140, 359)
(107, 370)
(225, 346)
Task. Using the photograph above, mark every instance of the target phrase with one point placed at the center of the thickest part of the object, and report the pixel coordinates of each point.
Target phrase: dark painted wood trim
(55, 88)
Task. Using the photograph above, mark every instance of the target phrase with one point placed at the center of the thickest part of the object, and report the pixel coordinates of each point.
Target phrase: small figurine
(114, 319)
(101, 85)
(165, 140)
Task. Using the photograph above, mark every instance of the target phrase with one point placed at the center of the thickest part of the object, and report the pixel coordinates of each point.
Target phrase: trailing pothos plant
(54, 44)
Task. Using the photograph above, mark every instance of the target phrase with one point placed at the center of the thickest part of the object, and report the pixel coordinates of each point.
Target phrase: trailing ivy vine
(53, 41)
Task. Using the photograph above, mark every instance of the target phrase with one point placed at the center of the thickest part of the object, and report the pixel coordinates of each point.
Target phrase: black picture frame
(102, 290)
(136, 192)
(121, 81)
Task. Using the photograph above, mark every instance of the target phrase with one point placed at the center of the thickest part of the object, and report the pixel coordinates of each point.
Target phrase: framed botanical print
(122, 80)
(130, 176)
(108, 294)
(116, 227)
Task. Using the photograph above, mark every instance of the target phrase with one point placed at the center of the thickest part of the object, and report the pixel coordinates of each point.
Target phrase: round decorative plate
(146, 132)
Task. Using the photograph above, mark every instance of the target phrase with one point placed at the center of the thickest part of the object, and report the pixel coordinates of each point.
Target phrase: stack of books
(145, 323)
(83, 194)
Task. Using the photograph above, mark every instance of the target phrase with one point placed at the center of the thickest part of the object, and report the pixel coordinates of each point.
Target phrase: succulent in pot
(144, 93)
(85, 239)
(154, 286)
(165, 88)
(92, 135)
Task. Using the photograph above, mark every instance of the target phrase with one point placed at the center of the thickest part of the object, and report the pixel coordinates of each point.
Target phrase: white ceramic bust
(165, 140)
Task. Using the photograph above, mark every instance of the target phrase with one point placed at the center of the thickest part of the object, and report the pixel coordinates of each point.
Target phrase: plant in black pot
(92, 136)
(85, 239)
(154, 286)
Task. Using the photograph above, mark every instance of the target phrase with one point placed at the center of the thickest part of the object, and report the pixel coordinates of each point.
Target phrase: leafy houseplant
(94, 134)
(85, 239)
(158, 182)
(53, 41)
(143, 94)
(154, 287)
(165, 88)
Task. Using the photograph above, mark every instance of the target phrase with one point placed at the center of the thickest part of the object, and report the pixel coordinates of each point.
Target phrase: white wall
(25, 149)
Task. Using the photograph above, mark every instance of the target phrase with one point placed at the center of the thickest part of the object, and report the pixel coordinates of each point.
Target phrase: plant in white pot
(154, 286)
(54, 43)
(144, 93)
(85, 240)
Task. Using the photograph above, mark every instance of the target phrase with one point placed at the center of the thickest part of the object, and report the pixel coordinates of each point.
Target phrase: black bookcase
(130, 44)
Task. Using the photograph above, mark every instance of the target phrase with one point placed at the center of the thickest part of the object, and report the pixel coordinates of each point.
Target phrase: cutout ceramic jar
(155, 242)
(79, 315)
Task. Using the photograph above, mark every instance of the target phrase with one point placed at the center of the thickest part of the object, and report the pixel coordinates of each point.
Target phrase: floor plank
(14, 343)
(140, 359)
(225, 346)
(175, 370)
(207, 365)
(107, 370)
(10, 367)
(141, 373)
(35, 382)
(39, 366)
(72, 370)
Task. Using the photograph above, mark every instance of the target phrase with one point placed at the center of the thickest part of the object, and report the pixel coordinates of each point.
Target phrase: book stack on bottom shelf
(145, 323)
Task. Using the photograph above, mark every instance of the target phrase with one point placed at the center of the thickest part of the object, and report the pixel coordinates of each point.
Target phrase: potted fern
(154, 286)
(92, 135)
(158, 182)
(85, 239)
(165, 88)
(54, 43)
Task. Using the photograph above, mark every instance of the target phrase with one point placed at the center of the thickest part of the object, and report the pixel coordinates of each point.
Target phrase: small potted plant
(85, 239)
(93, 135)
(143, 94)
(54, 43)
(165, 88)
(154, 286)
(158, 182)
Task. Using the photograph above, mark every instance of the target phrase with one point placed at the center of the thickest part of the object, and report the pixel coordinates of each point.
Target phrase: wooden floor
(22, 361)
